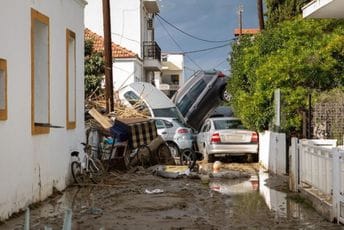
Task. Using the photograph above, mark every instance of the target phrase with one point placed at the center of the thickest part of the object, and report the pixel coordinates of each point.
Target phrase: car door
(201, 137)
(169, 129)
(161, 129)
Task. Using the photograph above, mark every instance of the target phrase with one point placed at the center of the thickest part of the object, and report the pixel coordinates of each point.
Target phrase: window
(70, 80)
(40, 71)
(136, 102)
(3, 89)
(228, 124)
(175, 79)
(159, 124)
(168, 112)
(164, 57)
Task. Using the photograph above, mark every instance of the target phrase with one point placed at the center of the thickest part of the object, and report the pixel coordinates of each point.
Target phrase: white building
(41, 85)
(127, 66)
(132, 27)
(324, 9)
(172, 76)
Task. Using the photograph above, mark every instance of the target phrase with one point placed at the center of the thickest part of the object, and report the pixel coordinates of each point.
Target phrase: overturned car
(200, 95)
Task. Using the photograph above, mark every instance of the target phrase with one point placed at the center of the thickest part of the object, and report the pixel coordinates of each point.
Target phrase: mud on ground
(122, 202)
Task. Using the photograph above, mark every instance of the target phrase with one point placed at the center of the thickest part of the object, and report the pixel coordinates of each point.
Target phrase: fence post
(27, 219)
(67, 222)
(336, 180)
(294, 165)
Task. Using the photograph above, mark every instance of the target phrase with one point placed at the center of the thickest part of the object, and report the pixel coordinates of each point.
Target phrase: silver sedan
(226, 136)
(177, 136)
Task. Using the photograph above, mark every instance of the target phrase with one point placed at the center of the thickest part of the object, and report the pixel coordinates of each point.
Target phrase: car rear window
(168, 112)
(228, 124)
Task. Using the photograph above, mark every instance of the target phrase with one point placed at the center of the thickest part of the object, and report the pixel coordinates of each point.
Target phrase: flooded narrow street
(140, 200)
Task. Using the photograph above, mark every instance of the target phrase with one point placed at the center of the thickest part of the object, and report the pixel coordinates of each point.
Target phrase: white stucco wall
(126, 71)
(31, 165)
(127, 25)
(272, 151)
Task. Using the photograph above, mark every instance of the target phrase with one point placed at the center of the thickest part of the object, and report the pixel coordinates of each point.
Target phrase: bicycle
(89, 168)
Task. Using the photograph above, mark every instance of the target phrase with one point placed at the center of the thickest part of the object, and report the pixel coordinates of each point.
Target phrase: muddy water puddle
(262, 201)
(252, 201)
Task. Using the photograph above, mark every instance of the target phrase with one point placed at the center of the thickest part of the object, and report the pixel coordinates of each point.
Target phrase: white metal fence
(319, 165)
(316, 167)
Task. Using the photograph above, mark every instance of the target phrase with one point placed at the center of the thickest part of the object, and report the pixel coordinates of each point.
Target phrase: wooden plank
(103, 121)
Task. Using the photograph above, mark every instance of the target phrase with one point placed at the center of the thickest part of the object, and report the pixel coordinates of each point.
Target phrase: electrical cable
(192, 36)
(168, 33)
(206, 49)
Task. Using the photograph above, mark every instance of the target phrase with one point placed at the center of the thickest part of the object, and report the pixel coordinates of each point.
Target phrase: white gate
(338, 184)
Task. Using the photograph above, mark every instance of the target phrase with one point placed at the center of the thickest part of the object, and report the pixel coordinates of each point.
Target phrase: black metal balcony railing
(152, 50)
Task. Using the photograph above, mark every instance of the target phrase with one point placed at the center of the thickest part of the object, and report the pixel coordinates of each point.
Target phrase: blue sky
(206, 19)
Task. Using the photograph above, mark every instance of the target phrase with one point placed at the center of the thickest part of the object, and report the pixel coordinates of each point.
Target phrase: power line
(120, 35)
(168, 33)
(206, 49)
(190, 35)
(220, 63)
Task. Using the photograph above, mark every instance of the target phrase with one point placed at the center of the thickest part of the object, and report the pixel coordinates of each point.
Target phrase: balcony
(151, 6)
(324, 9)
(151, 56)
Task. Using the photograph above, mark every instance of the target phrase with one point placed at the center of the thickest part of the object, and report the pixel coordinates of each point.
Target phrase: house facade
(41, 98)
(132, 27)
(172, 76)
(127, 66)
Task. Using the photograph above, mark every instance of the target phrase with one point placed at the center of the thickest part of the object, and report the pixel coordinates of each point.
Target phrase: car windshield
(228, 124)
(186, 102)
(168, 112)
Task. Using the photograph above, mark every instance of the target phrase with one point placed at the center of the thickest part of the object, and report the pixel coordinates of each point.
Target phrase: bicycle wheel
(144, 156)
(96, 170)
(188, 157)
(164, 155)
(77, 172)
(106, 158)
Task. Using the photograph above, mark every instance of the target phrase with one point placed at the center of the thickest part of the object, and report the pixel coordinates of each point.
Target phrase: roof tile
(98, 45)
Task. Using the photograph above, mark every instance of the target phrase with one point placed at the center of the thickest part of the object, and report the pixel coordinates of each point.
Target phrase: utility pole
(240, 11)
(108, 56)
(260, 14)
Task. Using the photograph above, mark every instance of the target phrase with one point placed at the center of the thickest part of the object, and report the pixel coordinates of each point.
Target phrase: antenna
(240, 11)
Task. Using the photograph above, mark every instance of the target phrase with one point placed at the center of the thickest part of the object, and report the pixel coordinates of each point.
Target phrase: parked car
(201, 94)
(226, 136)
(149, 99)
(177, 136)
(222, 111)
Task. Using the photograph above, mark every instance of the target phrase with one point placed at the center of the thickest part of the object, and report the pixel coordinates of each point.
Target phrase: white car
(150, 99)
(226, 136)
(177, 136)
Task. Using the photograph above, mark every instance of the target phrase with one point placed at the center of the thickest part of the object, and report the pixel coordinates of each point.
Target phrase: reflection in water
(255, 195)
(231, 187)
(275, 200)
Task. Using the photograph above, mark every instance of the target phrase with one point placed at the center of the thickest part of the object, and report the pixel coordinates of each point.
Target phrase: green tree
(94, 69)
(298, 56)
(281, 10)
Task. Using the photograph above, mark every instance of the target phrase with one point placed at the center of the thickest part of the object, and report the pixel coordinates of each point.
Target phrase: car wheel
(225, 96)
(249, 158)
(173, 148)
